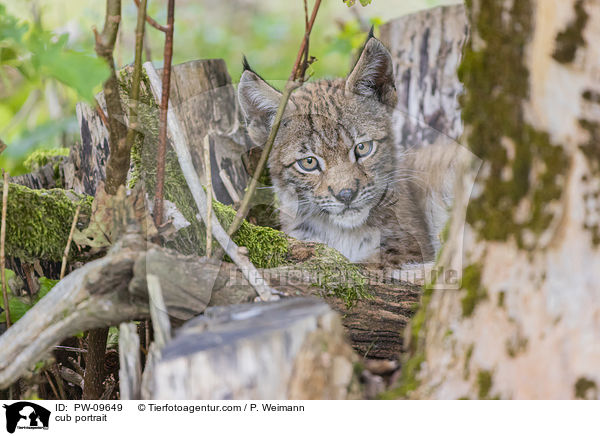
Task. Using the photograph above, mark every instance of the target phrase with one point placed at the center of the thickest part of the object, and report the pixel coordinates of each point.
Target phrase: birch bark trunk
(526, 322)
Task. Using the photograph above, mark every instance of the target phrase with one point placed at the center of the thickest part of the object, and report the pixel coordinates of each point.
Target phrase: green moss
(568, 40)
(474, 291)
(467, 365)
(337, 275)
(39, 158)
(418, 321)
(415, 356)
(516, 346)
(39, 221)
(267, 247)
(585, 389)
(591, 150)
(484, 384)
(408, 380)
(148, 113)
(501, 296)
(496, 82)
(591, 96)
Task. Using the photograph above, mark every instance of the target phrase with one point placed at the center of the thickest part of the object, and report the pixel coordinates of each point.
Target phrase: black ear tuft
(373, 75)
(245, 64)
(370, 35)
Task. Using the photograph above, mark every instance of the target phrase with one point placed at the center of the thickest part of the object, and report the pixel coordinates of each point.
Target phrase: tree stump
(426, 48)
(289, 349)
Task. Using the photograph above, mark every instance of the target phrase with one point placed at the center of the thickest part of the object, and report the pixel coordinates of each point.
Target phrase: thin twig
(136, 78)
(152, 21)
(52, 384)
(59, 383)
(102, 115)
(164, 109)
(118, 160)
(181, 148)
(290, 86)
(306, 33)
(304, 45)
(63, 266)
(2, 242)
(209, 193)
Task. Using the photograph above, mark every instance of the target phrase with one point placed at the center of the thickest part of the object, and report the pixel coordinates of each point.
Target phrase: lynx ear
(259, 102)
(373, 74)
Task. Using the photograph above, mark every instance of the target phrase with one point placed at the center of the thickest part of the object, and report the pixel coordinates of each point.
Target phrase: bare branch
(118, 161)
(290, 86)
(152, 21)
(2, 241)
(136, 76)
(63, 266)
(209, 193)
(164, 108)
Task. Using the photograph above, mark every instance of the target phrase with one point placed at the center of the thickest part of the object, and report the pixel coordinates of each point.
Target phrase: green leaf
(38, 54)
(11, 31)
(352, 2)
(20, 305)
(80, 71)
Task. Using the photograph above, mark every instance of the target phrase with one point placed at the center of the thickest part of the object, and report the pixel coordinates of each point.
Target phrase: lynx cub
(340, 176)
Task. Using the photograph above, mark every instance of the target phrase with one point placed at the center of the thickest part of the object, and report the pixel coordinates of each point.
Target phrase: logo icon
(26, 415)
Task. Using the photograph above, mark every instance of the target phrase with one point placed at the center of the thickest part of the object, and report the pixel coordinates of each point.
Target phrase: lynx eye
(308, 164)
(363, 149)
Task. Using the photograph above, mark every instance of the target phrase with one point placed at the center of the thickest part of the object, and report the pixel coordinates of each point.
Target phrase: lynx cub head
(333, 158)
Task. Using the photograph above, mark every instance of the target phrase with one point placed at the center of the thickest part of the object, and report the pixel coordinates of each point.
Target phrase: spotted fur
(378, 208)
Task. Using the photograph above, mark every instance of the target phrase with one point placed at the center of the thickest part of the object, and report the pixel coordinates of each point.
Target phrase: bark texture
(290, 349)
(114, 289)
(426, 48)
(86, 166)
(526, 322)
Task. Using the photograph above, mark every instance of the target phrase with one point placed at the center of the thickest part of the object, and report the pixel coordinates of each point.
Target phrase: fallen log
(38, 222)
(92, 296)
(113, 289)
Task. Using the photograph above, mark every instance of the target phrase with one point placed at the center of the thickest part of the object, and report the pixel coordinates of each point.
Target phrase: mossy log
(38, 222)
(113, 289)
(45, 169)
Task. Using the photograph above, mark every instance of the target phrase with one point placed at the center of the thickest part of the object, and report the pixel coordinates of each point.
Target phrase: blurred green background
(47, 60)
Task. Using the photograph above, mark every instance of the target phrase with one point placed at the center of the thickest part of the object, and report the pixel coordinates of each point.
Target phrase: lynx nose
(346, 196)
